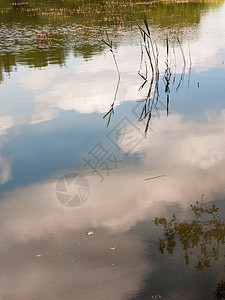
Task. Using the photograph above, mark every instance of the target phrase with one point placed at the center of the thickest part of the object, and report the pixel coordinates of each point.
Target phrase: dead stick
(155, 177)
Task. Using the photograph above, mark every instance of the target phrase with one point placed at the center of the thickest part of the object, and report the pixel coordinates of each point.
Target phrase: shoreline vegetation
(101, 12)
(64, 27)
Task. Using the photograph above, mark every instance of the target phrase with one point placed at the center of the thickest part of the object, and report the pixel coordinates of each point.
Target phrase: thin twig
(150, 178)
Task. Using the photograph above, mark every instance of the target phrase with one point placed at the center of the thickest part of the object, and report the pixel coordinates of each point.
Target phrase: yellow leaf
(38, 255)
(113, 248)
(89, 233)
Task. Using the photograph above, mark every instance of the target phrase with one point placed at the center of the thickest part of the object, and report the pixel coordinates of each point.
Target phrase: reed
(150, 59)
(149, 62)
(109, 43)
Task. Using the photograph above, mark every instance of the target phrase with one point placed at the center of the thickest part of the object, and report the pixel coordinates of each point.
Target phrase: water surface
(79, 200)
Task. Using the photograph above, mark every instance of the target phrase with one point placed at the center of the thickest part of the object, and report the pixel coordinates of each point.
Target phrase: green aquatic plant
(149, 50)
(167, 76)
(109, 43)
(149, 47)
(184, 64)
(149, 61)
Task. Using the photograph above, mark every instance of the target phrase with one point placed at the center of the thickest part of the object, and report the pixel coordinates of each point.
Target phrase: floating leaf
(38, 255)
(113, 248)
(89, 233)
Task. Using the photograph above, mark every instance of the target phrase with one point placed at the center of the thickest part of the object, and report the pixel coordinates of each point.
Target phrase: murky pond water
(112, 185)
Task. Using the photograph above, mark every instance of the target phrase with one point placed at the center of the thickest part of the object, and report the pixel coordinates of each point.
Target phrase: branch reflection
(203, 238)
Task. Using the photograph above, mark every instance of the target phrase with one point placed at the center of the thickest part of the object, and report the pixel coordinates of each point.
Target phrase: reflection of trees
(220, 291)
(97, 12)
(38, 32)
(1, 72)
(35, 58)
(6, 65)
(202, 238)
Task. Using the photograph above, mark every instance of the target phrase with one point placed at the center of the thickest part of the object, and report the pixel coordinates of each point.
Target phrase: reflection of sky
(190, 154)
(51, 131)
(35, 223)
